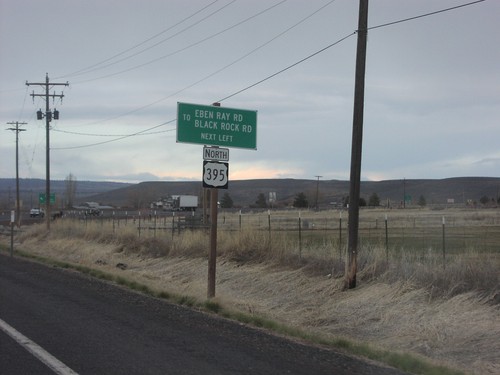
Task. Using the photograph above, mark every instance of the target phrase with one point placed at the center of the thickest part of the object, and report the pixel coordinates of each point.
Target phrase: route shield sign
(215, 174)
(216, 126)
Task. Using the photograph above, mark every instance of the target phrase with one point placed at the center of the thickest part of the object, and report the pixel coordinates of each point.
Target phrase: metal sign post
(12, 221)
(215, 176)
(212, 256)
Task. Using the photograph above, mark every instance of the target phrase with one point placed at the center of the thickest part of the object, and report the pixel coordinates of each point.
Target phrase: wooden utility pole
(404, 192)
(17, 129)
(317, 191)
(48, 118)
(357, 142)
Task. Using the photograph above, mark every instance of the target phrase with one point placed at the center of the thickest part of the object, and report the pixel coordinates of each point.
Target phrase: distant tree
(362, 201)
(484, 199)
(374, 200)
(261, 201)
(421, 201)
(70, 190)
(226, 201)
(300, 201)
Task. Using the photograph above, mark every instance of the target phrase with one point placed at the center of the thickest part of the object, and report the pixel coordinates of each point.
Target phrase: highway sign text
(218, 126)
(215, 153)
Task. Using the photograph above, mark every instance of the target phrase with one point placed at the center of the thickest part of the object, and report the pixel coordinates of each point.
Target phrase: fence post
(340, 236)
(386, 240)
(240, 220)
(173, 224)
(269, 221)
(12, 221)
(139, 224)
(444, 247)
(300, 238)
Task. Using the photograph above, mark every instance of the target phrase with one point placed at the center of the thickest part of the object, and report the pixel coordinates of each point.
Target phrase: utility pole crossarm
(17, 128)
(46, 83)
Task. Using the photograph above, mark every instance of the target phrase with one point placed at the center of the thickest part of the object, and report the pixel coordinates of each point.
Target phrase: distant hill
(244, 192)
(31, 187)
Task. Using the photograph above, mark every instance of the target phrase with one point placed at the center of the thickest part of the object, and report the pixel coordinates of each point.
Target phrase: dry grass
(410, 304)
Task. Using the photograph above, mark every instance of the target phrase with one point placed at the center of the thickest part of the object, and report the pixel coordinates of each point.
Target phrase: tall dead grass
(441, 277)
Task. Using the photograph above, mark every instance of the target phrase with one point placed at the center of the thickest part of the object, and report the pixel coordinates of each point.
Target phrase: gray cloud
(431, 102)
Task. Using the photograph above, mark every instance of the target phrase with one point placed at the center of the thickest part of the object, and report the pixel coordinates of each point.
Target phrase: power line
(111, 135)
(91, 67)
(148, 48)
(341, 40)
(228, 65)
(424, 15)
(116, 139)
(288, 67)
(144, 132)
(183, 48)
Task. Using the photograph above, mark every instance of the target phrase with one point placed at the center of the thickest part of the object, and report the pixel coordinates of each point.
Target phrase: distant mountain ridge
(244, 192)
(29, 188)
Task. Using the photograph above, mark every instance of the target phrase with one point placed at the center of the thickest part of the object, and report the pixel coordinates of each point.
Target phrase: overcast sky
(432, 99)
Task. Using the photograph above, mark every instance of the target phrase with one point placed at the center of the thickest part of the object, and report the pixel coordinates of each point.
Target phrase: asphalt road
(94, 327)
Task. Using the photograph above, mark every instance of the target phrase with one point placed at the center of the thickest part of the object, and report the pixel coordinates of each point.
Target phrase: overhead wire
(116, 139)
(227, 65)
(283, 70)
(108, 135)
(94, 66)
(424, 15)
(341, 40)
(24, 104)
(288, 67)
(183, 48)
(146, 49)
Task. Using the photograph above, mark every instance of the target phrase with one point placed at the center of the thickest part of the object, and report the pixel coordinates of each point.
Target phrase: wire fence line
(410, 229)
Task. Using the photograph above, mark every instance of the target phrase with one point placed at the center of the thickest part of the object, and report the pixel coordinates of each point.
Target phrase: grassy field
(415, 229)
(412, 297)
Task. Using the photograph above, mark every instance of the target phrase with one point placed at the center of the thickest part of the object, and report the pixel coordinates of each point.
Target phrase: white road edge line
(49, 360)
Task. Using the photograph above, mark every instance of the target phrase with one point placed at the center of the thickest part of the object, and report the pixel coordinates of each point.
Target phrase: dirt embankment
(461, 332)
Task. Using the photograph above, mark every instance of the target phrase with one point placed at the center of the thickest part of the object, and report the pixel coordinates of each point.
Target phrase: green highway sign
(216, 126)
(42, 198)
